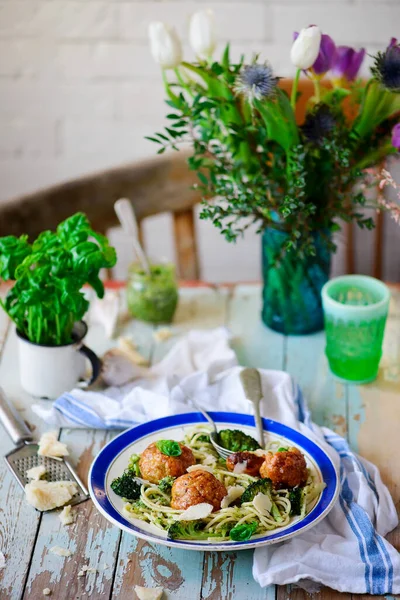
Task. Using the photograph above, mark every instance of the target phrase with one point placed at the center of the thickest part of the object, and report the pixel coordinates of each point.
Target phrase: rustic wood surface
(367, 416)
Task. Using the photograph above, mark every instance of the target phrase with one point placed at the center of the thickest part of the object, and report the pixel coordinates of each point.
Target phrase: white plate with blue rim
(113, 460)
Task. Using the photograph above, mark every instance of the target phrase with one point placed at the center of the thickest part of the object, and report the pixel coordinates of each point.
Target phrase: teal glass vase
(292, 284)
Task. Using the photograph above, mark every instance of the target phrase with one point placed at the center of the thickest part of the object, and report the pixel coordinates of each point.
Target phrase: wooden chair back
(162, 184)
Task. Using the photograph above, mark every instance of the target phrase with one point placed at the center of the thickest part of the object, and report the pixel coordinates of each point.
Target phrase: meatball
(154, 465)
(197, 487)
(285, 469)
(245, 462)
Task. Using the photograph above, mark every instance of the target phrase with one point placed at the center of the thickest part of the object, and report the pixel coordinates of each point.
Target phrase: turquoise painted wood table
(368, 416)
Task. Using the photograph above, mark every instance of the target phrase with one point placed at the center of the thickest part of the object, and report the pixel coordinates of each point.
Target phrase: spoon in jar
(127, 218)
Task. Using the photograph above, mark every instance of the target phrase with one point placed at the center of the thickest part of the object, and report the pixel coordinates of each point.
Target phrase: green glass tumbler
(355, 311)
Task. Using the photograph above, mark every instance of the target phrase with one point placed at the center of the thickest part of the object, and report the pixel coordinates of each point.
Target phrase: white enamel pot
(49, 371)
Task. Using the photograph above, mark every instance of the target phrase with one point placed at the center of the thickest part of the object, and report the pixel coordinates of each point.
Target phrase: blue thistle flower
(386, 68)
(318, 124)
(256, 81)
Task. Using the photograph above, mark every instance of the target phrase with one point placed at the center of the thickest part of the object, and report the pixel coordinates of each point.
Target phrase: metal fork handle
(251, 382)
(203, 412)
(12, 422)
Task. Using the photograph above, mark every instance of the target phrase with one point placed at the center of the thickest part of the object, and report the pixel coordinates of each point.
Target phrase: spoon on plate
(251, 382)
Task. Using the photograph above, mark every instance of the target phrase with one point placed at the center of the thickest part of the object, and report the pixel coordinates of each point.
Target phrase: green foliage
(126, 486)
(237, 441)
(46, 299)
(256, 167)
(165, 484)
(169, 447)
(296, 497)
(243, 532)
(261, 486)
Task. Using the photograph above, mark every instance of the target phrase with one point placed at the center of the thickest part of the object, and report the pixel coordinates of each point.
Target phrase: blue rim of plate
(106, 457)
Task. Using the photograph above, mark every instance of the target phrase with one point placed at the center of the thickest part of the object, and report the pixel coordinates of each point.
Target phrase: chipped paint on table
(367, 415)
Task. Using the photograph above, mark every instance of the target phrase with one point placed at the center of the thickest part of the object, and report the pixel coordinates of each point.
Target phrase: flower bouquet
(257, 164)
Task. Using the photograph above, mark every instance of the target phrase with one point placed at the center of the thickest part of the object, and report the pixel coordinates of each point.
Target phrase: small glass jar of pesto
(152, 298)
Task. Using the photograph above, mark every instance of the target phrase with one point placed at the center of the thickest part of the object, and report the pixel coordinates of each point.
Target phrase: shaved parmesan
(36, 473)
(2, 560)
(263, 504)
(67, 517)
(199, 468)
(45, 495)
(46, 592)
(60, 551)
(50, 446)
(240, 467)
(210, 460)
(260, 452)
(148, 593)
(162, 335)
(234, 492)
(195, 512)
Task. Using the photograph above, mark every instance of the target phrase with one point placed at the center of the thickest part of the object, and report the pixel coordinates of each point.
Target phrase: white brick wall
(79, 90)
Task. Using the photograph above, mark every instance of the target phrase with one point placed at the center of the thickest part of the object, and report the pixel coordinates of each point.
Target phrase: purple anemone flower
(396, 136)
(347, 63)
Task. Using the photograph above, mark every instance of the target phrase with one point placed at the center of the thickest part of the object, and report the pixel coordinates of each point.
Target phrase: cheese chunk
(46, 592)
(45, 495)
(195, 512)
(67, 517)
(129, 349)
(50, 446)
(234, 492)
(199, 468)
(263, 504)
(148, 593)
(240, 467)
(162, 335)
(36, 473)
(60, 551)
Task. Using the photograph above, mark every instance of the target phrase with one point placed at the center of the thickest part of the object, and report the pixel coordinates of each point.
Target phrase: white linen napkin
(347, 550)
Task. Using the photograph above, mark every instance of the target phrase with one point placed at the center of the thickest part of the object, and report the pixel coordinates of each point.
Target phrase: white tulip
(305, 48)
(165, 45)
(202, 33)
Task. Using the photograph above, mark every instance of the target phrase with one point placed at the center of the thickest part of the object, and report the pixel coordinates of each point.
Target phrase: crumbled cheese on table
(46, 592)
(36, 473)
(67, 517)
(162, 335)
(60, 551)
(129, 349)
(46, 495)
(148, 593)
(50, 446)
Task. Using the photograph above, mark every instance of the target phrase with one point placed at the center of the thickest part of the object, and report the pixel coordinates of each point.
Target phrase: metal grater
(25, 456)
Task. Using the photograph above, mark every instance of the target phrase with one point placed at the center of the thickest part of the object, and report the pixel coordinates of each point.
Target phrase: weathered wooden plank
(18, 521)
(150, 565)
(185, 244)
(307, 363)
(254, 343)
(374, 412)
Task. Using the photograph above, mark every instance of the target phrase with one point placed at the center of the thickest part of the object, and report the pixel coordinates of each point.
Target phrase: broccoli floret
(133, 464)
(126, 486)
(296, 501)
(237, 441)
(165, 484)
(263, 486)
(188, 530)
